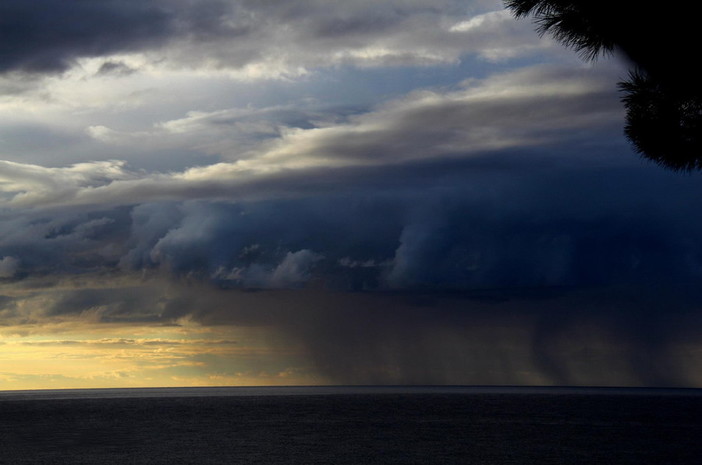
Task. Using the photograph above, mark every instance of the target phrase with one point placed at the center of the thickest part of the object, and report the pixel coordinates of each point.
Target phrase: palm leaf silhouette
(662, 97)
(570, 22)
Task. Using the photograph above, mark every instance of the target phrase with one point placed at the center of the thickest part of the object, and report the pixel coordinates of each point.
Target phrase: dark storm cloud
(48, 35)
(434, 190)
(502, 221)
(498, 221)
(65, 242)
(501, 269)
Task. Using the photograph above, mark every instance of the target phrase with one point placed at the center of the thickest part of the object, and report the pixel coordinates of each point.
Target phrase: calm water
(388, 425)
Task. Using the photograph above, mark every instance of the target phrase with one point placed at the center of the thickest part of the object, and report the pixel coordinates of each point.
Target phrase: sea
(352, 425)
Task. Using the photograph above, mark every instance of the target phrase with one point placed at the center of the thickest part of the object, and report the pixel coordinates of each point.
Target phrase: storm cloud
(48, 36)
(336, 192)
(602, 336)
(497, 220)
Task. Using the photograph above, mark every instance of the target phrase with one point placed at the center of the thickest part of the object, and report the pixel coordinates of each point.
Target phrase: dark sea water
(352, 425)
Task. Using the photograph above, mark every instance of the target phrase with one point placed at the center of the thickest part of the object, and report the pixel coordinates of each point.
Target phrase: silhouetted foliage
(663, 125)
(570, 22)
(662, 97)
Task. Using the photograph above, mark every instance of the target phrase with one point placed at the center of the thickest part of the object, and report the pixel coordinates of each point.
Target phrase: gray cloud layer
(533, 107)
(49, 35)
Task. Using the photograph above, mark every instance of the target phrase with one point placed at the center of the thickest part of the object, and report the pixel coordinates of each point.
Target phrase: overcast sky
(225, 192)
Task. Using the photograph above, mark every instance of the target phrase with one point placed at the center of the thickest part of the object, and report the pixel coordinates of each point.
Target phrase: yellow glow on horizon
(144, 356)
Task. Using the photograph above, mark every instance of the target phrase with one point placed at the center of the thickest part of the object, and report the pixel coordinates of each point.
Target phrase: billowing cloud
(294, 270)
(492, 221)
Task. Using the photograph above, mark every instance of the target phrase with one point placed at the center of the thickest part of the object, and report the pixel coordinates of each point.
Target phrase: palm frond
(570, 22)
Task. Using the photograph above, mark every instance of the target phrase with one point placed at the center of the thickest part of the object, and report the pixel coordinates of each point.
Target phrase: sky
(303, 192)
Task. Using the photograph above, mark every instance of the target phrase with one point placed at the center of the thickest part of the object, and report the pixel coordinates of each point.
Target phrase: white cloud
(32, 184)
(490, 19)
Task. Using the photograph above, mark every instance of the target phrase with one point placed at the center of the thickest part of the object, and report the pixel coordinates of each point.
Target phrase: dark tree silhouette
(662, 97)
(663, 125)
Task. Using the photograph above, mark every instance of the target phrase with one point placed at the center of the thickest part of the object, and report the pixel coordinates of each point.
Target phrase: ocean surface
(352, 425)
